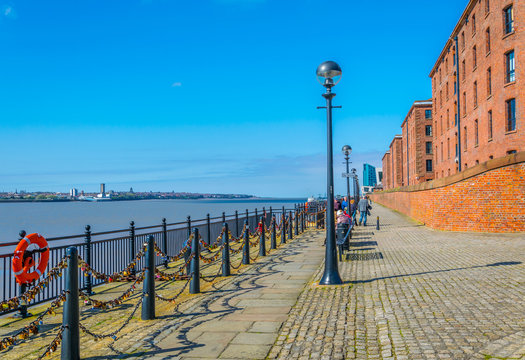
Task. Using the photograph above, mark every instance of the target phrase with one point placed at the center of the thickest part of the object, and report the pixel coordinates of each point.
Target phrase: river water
(70, 218)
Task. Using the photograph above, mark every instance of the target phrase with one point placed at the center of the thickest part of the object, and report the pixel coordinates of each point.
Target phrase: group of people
(347, 212)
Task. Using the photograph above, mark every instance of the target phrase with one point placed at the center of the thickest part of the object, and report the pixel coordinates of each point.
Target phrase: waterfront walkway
(410, 293)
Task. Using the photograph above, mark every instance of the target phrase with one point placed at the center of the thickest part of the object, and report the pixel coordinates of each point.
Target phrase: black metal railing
(110, 251)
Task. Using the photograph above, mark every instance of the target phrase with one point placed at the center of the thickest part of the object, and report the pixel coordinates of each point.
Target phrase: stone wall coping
(489, 165)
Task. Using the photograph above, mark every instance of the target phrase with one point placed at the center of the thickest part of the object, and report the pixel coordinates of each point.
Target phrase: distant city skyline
(212, 96)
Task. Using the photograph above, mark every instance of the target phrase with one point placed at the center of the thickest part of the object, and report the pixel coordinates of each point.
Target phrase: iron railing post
(208, 229)
(132, 252)
(262, 240)
(148, 290)
(273, 241)
(236, 223)
(187, 253)
(70, 317)
(290, 225)
(165, 241)
(226, 251)
(87, 243)
(246, 247)
(22, 308)
(195, 271)
(283, 227)
(296, 222)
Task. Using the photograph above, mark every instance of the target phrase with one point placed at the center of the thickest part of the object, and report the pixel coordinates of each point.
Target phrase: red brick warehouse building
(417, 142)
(485, 86)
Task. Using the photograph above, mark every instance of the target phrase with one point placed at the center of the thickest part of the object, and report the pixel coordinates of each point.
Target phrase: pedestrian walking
(364, 209)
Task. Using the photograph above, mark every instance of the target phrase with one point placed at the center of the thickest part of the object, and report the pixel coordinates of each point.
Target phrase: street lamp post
(329, 74)
(347, 150)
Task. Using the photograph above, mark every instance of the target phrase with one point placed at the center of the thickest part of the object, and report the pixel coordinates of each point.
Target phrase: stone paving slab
(414, 293)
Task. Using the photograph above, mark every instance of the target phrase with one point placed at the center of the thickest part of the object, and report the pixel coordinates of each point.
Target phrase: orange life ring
(22, 266)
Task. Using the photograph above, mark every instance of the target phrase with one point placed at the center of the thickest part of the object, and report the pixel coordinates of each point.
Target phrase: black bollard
(236, 223)
(208, 229)
(195, 286)
(70, 317)
(87, 243)
(226, 252)
(187, 253)
(302, 218)
(246, 247)
(377, 226)
(262, 240)
(132, 252)
(283, 228)
(273, 239)
(148, 289)
(165, 241)
(290, 225)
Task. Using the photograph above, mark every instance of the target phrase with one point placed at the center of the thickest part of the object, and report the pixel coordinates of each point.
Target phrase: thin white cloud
(176, 84)
(8, 12)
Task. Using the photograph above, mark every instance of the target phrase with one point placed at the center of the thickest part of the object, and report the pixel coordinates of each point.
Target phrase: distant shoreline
(189, 198)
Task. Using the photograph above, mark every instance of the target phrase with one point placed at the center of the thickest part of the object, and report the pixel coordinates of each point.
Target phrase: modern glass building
(369, 175)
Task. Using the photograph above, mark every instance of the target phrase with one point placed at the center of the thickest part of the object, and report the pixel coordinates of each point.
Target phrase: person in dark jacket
(363, 208)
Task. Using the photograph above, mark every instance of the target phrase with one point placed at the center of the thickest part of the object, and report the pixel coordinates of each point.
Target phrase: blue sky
(206, 95)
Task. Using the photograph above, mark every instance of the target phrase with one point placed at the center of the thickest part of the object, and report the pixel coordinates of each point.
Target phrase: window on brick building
(511, 114)
(440, 98)
(475, 88)
(448, 172)
(428, 130)
(454, 56)
(448, 118)
(464, 103)
(474, 58)
(448, 148)
(476, 138)
(441, 151)
(455, 84)
(511, 152)
(473, 25)
(491, 157)
(508, 15)
(489, 81)
(441, 124)
(487, 40)
(446, 90)
(466, 166)
(446, 64)
(463, 41)
(489, 123)
(428, 114)
(465, 142)
(510, 67)
(429, 165)
(477, 162)
(487, 6)
(455, 113)
(428, 147)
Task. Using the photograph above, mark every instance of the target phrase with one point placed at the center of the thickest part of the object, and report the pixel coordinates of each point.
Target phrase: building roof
(387, 153)
(417, 103)
(455, 32)
(397, 137)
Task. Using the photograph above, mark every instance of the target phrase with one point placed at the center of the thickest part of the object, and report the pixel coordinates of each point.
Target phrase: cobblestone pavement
(414, 293)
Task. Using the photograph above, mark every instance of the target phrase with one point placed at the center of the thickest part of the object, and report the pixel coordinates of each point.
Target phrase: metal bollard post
(273, 240)
(302, 218)
(70, 317)
(23, 287)
(283, 228)
(223, 217)
(226, 252)
(377, 226)
(132, 252)
(290, 225)
(296, 223)
(246, 247)
(262, 240)
(148, 290)
(208, 229)
(165, 241)
(195, 286)
(236, 223)
(187, 253)
(87, 243)
(247, 217)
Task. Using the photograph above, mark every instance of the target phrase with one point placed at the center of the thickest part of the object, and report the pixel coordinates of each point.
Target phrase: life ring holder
(23, 260)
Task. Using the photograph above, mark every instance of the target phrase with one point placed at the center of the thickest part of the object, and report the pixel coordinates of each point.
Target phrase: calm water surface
(69, 218)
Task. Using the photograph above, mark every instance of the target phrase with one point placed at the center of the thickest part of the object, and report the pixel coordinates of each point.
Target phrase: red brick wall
(490, 201)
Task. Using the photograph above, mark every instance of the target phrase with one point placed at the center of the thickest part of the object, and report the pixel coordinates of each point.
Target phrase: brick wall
(489, 197)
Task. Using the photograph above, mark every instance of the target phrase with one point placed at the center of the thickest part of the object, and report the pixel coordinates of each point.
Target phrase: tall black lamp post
(347, 150)
(329, 74)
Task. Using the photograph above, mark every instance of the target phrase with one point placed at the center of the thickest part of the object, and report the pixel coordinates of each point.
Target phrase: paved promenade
(415, 293)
